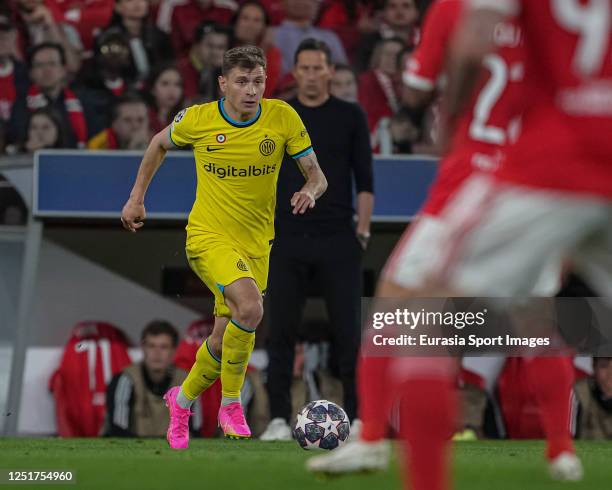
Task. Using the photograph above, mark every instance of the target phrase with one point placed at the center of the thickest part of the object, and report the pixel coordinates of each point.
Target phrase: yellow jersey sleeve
(183, 130)
(298, 141)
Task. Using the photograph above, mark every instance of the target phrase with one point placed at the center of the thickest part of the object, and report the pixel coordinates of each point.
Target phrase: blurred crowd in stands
(107, 74)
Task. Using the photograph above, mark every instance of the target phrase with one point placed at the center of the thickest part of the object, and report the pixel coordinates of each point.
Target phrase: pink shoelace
(235, 412)
(182, 428)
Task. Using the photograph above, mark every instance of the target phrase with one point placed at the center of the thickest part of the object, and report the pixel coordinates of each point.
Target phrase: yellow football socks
(204, 372)
(238, 343)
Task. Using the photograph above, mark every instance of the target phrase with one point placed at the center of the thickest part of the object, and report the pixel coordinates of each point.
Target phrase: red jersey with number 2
(490, 116)
(566, 142)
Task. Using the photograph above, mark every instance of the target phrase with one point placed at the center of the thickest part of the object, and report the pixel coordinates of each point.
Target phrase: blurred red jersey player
(423, 428)
(553, 194)
(482, 130)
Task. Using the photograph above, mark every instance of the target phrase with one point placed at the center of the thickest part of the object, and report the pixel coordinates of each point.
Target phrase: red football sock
(428, 413)
(551, 380)
(372, 380)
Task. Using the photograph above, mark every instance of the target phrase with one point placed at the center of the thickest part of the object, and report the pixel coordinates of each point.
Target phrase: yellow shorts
(219, 262)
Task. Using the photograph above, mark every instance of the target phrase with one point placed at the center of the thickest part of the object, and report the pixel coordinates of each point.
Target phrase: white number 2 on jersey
(591, 21)
(487, 98)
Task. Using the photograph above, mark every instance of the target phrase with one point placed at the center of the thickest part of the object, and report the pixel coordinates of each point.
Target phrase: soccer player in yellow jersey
(238, 143)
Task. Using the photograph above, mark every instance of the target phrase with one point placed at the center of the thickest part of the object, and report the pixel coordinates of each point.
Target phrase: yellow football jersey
(237, 168)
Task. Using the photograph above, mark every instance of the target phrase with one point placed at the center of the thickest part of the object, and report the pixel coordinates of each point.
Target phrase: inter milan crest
(267, 147)
(179, 116)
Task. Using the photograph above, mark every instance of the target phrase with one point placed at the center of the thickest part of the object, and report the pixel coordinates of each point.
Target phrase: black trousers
(334, 261)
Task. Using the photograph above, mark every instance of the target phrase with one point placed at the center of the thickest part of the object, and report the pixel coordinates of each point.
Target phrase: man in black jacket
(324, 245)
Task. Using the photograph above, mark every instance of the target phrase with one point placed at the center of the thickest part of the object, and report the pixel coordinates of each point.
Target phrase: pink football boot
(232, 422)
(178, 428)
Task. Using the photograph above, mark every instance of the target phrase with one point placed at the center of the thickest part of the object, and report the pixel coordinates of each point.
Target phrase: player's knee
(215, 345)
(250, 313)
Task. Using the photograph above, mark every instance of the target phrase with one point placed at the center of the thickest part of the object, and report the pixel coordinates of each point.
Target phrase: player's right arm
(184, 130)
(427, 63)
(134, 213)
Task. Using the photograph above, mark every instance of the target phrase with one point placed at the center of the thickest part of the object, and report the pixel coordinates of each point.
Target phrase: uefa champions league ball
(321, 424)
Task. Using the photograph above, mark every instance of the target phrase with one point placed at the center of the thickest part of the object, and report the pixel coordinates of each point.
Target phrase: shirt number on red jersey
(591, 21)
(487, 98)
(91, 346)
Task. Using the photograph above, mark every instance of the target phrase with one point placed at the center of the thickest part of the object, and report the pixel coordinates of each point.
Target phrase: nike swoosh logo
(230, 362)
(212, 148)
(209, 379)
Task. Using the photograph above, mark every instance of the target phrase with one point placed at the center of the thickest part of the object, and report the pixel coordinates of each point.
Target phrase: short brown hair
(248, 57)
(160, 327)
(312, 44)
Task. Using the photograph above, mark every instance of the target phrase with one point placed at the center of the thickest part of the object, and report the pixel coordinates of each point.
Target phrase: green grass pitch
(114, 464)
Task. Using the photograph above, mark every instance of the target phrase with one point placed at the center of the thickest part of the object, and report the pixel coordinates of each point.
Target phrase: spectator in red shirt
(165, 87)
(201, 69)
(186, 18)
(38, 23)
(13, 74)
(86, 17)
(378, 93)
(350, 19)
(148, 44)
(250, 27)
(275, 10)
(399, 19)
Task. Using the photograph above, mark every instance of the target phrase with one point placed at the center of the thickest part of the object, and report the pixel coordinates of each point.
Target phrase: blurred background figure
(404, 132)
(186, 18)
(595, 397)
(82, 377)
(299, 25)
(49, 88)
(134, 403)
(13, 210)
(44, 131)
(13, 73)
(2, 138)
(165, 89)
(148, 44)
(201, 68)
(344, 84)
(106, 77)
(129, 129)
(350, 20)
(379, 92)
(251, 27)
(400, 20)
(39, 22)
(84, 18)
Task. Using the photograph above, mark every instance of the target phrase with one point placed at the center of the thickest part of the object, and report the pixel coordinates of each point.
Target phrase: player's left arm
(315, 186)
(363, 173)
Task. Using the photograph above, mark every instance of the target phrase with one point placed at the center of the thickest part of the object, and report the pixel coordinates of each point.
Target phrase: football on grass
(321, 424)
